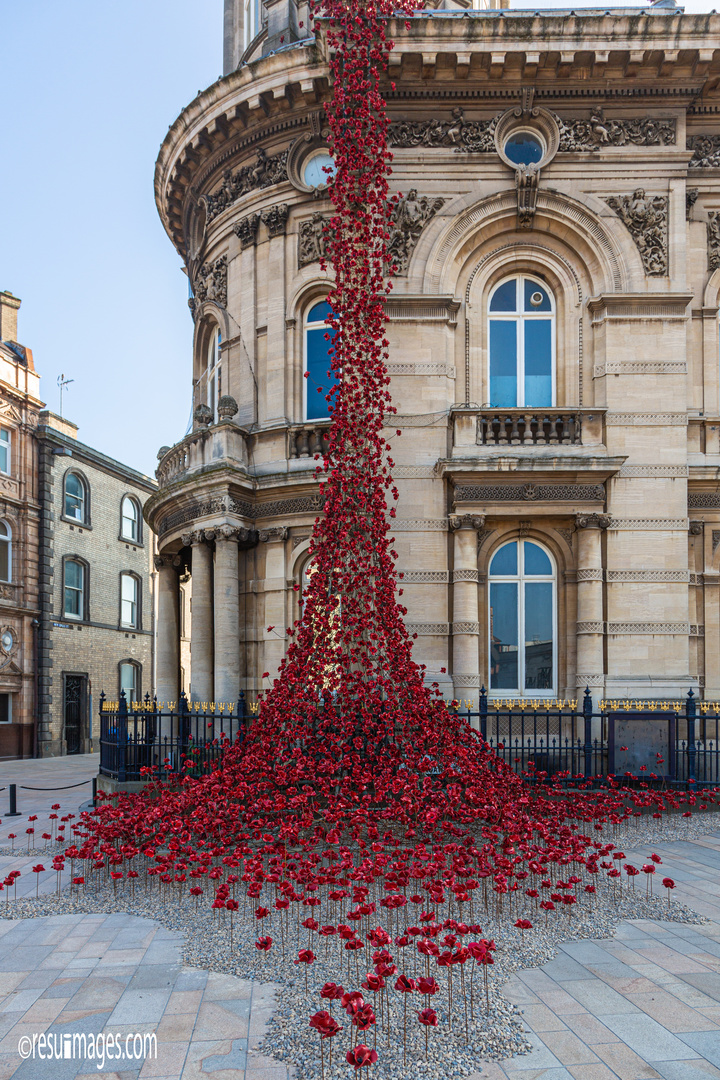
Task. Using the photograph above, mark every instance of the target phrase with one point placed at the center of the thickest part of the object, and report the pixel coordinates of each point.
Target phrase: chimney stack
(9, 305)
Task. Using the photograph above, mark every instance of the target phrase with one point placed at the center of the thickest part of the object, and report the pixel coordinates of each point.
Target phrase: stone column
(466, 624)
(227, 613)
(275, 599)
(201, 623)
(590, 628)
(168, 640)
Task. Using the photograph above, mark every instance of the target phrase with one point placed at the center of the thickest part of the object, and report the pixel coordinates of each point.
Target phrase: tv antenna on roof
(62, 383)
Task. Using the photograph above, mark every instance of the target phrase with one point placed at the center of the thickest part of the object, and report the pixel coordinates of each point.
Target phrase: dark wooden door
(74, 712)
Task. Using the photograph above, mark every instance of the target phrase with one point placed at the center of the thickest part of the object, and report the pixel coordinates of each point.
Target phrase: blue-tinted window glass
(505, 297)
(318, 366)
(503, 363)
(320, 312)
(505, 561)
(538, 362)
(536, 298)
(538, 636)
(504, 635)
(536, 560)
(523, 148)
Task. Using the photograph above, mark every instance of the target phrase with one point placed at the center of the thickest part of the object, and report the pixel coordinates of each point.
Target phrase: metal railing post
(121, 728)
(483, 712)
(587, 717)
(691, 714)
(13, 811)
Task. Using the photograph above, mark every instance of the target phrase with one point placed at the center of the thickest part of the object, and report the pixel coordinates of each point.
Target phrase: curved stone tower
(554, 345)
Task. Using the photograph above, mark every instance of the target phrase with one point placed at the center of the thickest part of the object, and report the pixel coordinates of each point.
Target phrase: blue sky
(89, 90)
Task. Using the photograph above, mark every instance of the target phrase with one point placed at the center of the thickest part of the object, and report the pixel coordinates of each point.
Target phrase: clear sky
(89, 90)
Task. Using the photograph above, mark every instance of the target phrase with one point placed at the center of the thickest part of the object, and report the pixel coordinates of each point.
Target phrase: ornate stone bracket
(706, 151)
(695, 528)
(246, 230)
(275, 219)
(526, 185)
(645, 217)
(279, 532)
(465, 521)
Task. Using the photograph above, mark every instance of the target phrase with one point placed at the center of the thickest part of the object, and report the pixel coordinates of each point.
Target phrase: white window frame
(252, 20)
(8, 540)
(213, 372)
(520, 578)
(307, 327)
(83, 506)
(80, 617)
(519, 317)
(6, 446)
(134, 603)
(136, 678)
(135, 520)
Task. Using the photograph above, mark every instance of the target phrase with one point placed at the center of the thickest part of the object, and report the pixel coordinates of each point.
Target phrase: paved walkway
(645, 1004)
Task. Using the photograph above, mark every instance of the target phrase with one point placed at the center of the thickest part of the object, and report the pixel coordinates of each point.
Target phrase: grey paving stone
(140, 1006)
(586, 952)
(650, 1040)
(191, 979)
(155, 977)
(539, 1058)
(236, 1059)
(707, 1044)
(686, 1070)
(563, 968)
(598, 998)
(708, 983)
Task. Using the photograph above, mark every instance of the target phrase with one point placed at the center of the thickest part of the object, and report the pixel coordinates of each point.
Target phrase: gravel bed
(495, 1031)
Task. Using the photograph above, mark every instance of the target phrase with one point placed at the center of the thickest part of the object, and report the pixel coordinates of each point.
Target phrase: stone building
(554, 348)
(19, 529)
(97, 592)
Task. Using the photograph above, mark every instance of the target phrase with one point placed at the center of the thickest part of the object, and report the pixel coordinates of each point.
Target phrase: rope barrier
(67, 787)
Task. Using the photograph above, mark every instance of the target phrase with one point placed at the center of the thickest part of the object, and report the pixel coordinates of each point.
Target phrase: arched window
(521, 330)
(130, 520)
(129, 601)
(5, 552)
(75, 500)
(320, 378)
(251, 20)
(522, 620)
(213, 373)
(130, 680)
(74, 589)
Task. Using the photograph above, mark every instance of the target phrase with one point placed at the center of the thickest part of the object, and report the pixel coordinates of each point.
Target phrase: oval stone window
(524, 148)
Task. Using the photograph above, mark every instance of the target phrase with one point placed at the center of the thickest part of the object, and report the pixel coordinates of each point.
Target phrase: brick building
(19, 527)
(97, 592)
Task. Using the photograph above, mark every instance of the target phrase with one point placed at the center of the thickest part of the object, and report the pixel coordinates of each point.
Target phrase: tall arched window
(251, 20)
(521, 329)
(130, 520)
(74, 589)
(523, 651)
(130, 680)
(129, 601)
(213, 372)
(5, 552)
(320, 378)
(75, 498)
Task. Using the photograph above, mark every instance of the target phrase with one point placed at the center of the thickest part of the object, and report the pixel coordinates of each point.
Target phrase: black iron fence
(652, 742)
(646, 742)
(167, 737)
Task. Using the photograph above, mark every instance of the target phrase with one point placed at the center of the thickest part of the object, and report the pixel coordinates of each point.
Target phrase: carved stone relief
(691, 195)
(582, 136)
(706, 151)
(713, 240)
(646, 219)
(266, 171)
(246, 229)
(531, 492)
(466, 136)
(211, 283)
(312, 240)
(275, 219)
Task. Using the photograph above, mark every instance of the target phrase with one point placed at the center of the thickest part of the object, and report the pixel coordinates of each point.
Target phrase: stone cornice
(629, 307)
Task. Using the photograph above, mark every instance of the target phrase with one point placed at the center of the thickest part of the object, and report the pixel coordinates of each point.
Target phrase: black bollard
(13, 811)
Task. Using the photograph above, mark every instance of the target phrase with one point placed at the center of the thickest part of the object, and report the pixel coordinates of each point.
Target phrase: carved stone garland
(410, 216)
(645, 216)
(706, 151)
(266, 171)
(713, 240)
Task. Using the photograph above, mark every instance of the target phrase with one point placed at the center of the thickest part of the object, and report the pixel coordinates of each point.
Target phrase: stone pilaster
(466, 617)
(168, 630)
(227, 613)
(201, 627)
(273, 540)
(590, 624)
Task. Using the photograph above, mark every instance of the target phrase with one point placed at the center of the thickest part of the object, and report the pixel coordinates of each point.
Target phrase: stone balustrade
(528, 427)
(308, 440)
(222, 444)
